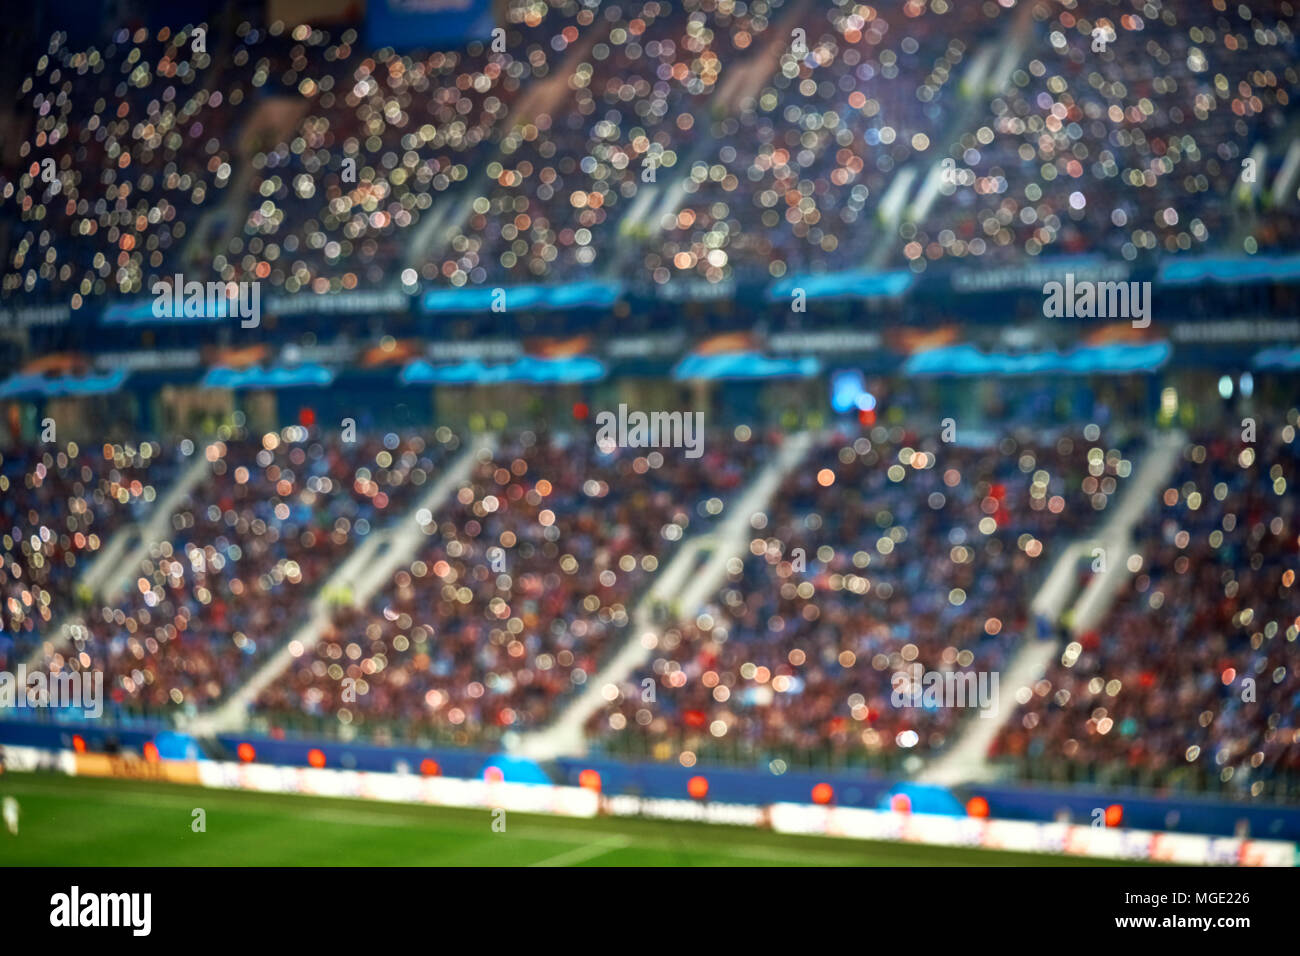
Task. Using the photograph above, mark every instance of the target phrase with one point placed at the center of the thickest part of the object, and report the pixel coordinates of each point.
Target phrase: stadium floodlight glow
(1247, 385)
(1225, 386)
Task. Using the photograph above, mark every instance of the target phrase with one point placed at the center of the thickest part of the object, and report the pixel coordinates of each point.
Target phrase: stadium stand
(524, 588)
(251, 544)
(58, 509)
(909, 550)
(660, 182)
(1157, 694)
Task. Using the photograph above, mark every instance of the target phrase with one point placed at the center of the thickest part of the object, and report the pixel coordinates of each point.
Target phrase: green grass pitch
(71, 821)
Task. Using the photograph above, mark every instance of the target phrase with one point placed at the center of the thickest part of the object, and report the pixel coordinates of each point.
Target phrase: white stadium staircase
(356, 580)
(110, 574)
(966, 761)
(683, 585)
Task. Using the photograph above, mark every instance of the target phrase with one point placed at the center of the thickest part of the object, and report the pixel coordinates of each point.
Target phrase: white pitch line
(583, 853)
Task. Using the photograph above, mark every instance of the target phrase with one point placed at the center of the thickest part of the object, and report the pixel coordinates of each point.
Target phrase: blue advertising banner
(300, 376)
(1117, 358)
(854, 283)
(93, 384)
(527, 370)
(1190, 270)
(594, 294)
(402, 24)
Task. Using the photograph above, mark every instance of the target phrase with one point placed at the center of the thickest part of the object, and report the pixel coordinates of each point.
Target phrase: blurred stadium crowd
(647, 140)
(1161, 685)
(910, 551)
(911, 554)
(656, 142)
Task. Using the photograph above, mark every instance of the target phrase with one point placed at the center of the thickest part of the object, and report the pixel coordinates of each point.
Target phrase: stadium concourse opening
(566, 433)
